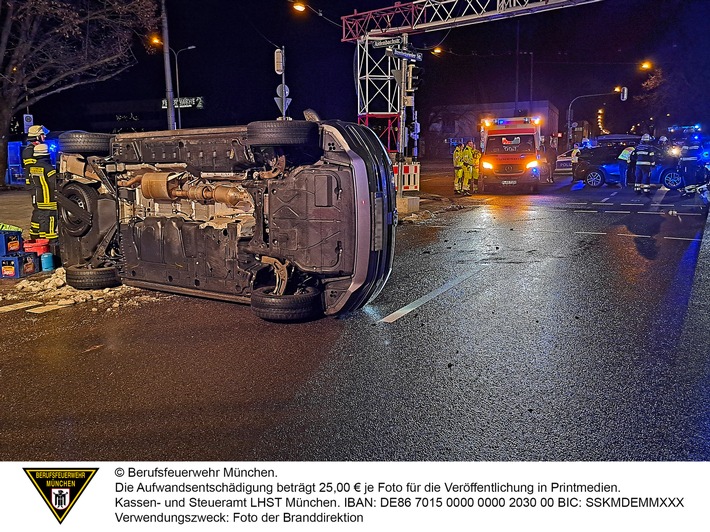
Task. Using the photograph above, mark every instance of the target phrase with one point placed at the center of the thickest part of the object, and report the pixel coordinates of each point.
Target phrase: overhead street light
(303, 6)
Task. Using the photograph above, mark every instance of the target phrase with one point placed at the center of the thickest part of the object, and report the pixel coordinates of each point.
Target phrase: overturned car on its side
(295, 218)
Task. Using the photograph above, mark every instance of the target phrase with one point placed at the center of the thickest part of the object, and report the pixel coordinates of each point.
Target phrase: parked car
(296, 218)
(563, 166)
(599, 165)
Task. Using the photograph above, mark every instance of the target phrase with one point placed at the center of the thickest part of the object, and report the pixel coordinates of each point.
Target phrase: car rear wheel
(595, 178)
(83, 277)
(305, 304)
(84, 142)
(672, 179)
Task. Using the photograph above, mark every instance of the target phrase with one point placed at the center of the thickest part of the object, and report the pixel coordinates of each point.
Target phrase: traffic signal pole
(569, 112)
(402, 137)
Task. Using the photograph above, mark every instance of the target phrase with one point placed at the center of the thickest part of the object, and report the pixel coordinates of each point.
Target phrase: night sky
(578, 50)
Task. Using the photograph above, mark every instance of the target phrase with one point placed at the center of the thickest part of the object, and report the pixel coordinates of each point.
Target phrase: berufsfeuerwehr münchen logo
(60, 488)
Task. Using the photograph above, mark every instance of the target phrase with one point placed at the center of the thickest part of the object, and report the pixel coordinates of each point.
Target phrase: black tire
(595, 178)
(85, 197)
(83, 277)
(283, 133)
(672, 179)
(303, 305)
(84, 142)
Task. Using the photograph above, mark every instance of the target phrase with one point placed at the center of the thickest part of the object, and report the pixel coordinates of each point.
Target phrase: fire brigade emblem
(60, 488)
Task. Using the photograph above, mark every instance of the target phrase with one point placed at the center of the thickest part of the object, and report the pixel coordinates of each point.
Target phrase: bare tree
(49, 46)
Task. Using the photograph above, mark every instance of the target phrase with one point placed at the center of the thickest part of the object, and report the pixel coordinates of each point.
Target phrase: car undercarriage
(296, 218)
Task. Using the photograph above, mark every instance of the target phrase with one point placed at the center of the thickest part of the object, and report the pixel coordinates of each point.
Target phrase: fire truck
(511, 154)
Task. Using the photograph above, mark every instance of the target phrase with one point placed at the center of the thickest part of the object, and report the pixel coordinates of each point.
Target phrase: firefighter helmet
(41, 150)
(35, 131)
(646, 138)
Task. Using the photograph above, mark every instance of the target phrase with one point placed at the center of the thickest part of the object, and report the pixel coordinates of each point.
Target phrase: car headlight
(531, 164)
(487, 165)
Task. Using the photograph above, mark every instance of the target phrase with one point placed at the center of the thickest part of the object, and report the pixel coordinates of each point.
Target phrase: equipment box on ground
(10, 242)
(20, 265)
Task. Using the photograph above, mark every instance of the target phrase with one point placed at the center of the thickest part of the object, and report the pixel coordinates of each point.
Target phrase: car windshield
(510, 144)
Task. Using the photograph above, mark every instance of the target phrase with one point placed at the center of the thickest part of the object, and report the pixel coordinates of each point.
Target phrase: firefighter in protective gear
(458, 169)
(690, 164)
(644, 159)
(43, 182)
(471, 162)
(35, 135)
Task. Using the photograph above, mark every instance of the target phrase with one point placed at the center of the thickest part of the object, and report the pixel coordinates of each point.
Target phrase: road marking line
(651, 212)
(584, 203)
(631, 204)
(681, 238)
(391, 318)
(601, 202)
(662, 205)
(690, 213)
(20, 306)
(633, 235)
(46, 308)
(619, 212)
(587, 233)
(584, 211)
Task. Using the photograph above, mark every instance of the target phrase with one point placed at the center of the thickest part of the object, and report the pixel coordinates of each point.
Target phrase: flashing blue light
(706, 155)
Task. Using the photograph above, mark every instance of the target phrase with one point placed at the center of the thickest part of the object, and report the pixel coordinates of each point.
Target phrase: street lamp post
(177, 81)
(166, 65)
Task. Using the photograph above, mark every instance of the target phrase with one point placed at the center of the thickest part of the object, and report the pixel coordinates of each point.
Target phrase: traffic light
(624, 94)
(414, 77)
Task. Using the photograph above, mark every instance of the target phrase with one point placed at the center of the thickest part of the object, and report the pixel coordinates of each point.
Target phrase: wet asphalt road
(542, 329)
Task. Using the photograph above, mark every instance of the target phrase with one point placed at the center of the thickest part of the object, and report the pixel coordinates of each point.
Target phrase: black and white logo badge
(60, 488)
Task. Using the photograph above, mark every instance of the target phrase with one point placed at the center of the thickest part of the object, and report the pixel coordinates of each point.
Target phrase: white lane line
(690, 213)
(619, 212)
(601, 202)
(681, 238)
(428, 297)
(20, 306)
(587, 233)
(580, 210)
(662, 205)
(651, 212)
(583, 203)
(633, 235)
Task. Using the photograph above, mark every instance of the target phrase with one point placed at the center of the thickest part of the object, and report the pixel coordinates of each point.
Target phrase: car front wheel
(305, 304)
(595, 178)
